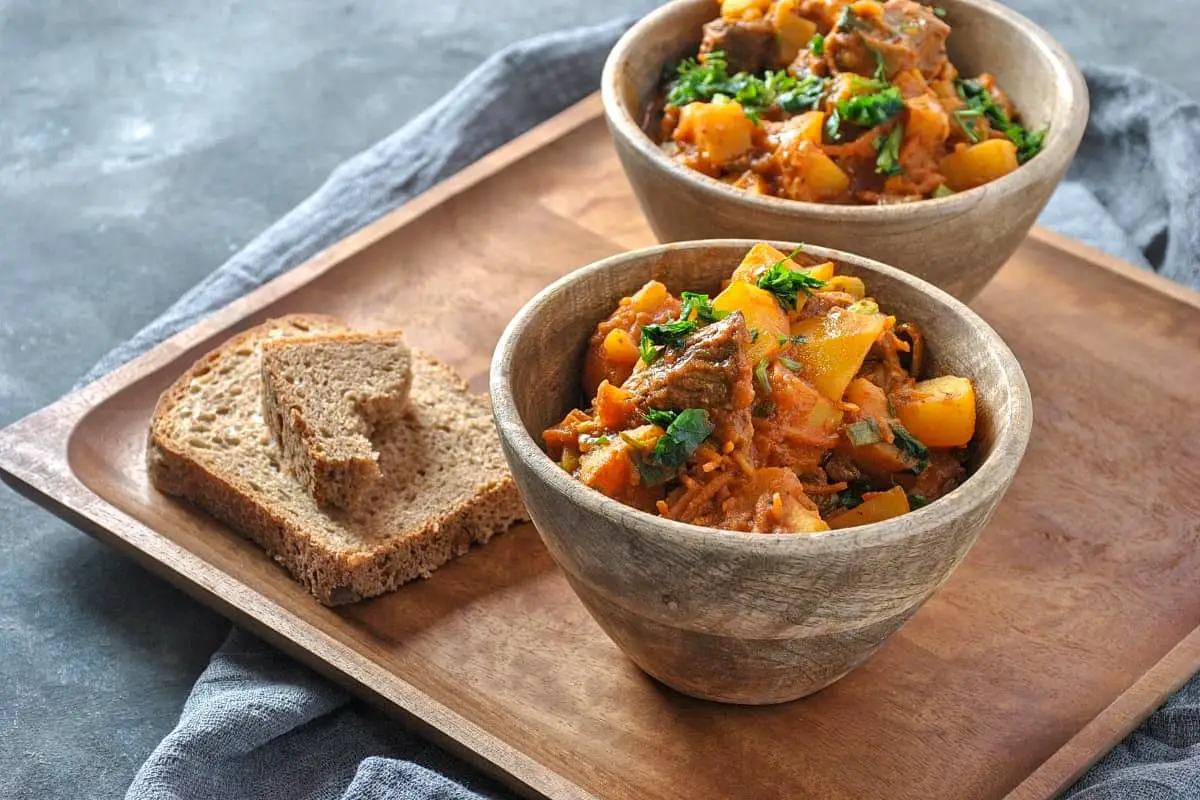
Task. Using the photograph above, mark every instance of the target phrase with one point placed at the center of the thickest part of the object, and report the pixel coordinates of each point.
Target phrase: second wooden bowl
(957, 243)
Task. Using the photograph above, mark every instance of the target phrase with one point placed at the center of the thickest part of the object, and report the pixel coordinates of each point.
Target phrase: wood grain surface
(1070, 619)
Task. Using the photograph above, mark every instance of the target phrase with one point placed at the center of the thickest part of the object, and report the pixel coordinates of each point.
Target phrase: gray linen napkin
(259, 725)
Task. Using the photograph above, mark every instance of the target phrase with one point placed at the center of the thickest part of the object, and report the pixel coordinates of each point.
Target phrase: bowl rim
(1061, 142)
(981, 488)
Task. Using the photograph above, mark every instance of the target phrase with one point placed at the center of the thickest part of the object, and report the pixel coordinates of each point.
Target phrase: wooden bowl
(742, 617)
(957, 243)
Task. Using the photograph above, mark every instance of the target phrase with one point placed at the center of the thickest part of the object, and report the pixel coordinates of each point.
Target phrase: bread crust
(333, 577)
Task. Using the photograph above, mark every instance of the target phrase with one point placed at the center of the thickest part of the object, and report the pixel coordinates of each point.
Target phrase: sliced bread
(444, 486)
(324, 396)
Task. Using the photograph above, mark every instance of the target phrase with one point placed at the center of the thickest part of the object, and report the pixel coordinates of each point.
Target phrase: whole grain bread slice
(324, 396)
(444, 486)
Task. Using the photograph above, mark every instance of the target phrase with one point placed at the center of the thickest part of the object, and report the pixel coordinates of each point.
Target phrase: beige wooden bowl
(957, 243)
(741, 617)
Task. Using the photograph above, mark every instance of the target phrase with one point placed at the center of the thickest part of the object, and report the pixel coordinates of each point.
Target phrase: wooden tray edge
(76, 504)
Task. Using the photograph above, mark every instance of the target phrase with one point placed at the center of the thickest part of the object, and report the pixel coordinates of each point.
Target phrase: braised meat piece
(906, 35)
(747, 45)
(709, 371)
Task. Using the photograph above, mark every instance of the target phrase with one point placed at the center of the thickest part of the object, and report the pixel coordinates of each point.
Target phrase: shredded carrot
(690, 504)
(742, 463)
(663, 508)
(824, 488)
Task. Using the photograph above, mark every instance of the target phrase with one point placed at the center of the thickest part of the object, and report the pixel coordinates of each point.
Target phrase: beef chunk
(709, 371)
(747, 44)
(906, 35)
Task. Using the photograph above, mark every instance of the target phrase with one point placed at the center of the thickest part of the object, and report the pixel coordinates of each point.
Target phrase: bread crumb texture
(443, 483)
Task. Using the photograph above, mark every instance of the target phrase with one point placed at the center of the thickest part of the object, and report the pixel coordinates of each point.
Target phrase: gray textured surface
(140, 143)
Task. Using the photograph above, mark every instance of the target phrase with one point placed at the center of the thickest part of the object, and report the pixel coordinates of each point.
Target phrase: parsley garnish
(816, 45)
(880, 68)
(939, 12)
(833, 126)
(888, 161)
(978, 99)
(794, 366)
(661, 418)
(668, 334)
(851, 497)
(786, 284)
(864, 432)
(911, 446)
(753, 335)
(870, 110)
(684, 434)
(702, 306)
(702, 83)
(760, 377)
(916, 501)
(846, 20)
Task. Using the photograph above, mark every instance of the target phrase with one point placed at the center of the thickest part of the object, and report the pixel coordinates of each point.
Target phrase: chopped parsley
(888, 161)
(870, 110)
(786, 284)
(833, 126)
(1029, 143)
(916, 501)
(702, 83)
(668, 334)
(880, 67)
(793, 365)
(816, 45)
(966, 120)
(687, 430)
(760, 377)
(846, 21)
(702, 306)
(911, 446)
(864, 432)
(753, 335)
(851, 496)
(661, 418)
(939, 12)
(942, 191)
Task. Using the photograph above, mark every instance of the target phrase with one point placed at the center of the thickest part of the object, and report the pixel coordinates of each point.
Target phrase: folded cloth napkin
(258, 725)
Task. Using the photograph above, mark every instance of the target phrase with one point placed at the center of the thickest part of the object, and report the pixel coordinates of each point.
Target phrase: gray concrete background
(141, 143)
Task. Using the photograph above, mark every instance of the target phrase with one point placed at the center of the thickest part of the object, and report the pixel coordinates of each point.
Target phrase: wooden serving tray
(1073, 617)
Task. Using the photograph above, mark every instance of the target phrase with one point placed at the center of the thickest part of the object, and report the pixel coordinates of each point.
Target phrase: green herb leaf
(701, 305)
(686, 432)
(753, 335)
(833, 126)
(880, 67)
(870, 110)
(978, 99)
(804, 95)
(851, 496)
(846, 20)
(816, 45)
(661, 418)
(939, 12)
(647, 350)
(786, 284)
(916, 501)
(711, 82)
(911, 446)
(864, 432)
(888, 161)
(760, 377)
(793, 365)
(943, 191)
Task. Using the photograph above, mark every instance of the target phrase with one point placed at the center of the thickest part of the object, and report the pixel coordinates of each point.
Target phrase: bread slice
(323, 398)
(444, 486)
